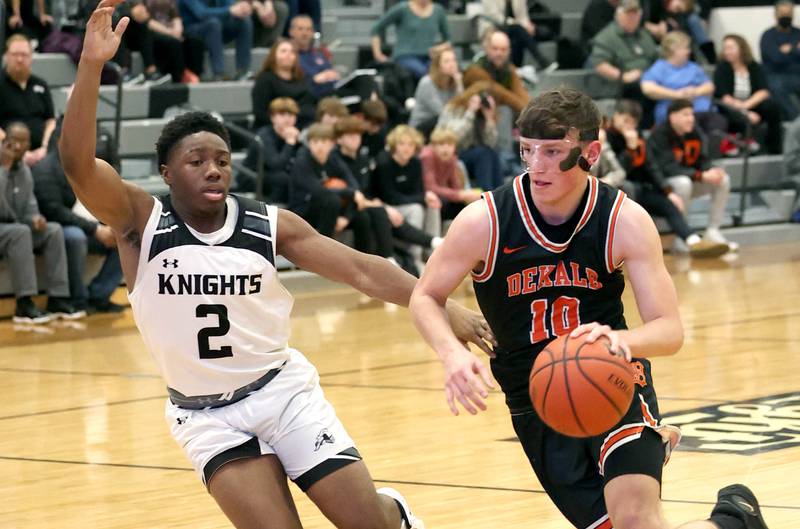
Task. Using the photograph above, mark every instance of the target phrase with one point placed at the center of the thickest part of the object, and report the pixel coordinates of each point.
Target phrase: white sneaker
(714, 235)
(409, 521)
(679, 247)
(704, 247)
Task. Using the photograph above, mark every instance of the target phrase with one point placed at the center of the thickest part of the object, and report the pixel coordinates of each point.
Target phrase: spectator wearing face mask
(780, 53)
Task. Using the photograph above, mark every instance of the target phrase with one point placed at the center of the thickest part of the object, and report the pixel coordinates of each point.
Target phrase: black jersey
(533, 289)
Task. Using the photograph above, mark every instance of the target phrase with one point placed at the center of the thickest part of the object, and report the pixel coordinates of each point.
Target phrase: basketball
(580, 389)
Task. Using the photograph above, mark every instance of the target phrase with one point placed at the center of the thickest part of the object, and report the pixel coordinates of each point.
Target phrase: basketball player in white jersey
(200, 267)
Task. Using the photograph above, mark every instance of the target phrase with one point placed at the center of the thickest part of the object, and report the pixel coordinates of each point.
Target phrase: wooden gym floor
(83, 441)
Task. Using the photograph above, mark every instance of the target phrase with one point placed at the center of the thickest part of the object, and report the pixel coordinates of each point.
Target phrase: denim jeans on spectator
(416, 64)
(484, 167)
(78, 246)
(216, 32)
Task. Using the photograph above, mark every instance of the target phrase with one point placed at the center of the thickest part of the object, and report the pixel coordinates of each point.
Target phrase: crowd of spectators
(389, 170)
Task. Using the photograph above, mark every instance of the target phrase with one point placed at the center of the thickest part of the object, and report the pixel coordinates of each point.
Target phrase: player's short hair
(629, 107)
(283, 104)
(349, 125)
(186, 125)
(442, 135)
(401, 132)
(321, 131)
(331, 106)
(375, 111)
(551, 115)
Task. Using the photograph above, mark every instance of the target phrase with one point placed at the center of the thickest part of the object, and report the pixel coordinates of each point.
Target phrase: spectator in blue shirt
(313, 61)
(676, 77)
(780, 53)
(218, 22)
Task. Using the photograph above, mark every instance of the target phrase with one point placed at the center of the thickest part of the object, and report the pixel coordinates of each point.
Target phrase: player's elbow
(676, 337)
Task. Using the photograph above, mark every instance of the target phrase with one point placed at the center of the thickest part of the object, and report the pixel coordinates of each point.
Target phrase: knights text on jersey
(532, 289)
(213, 314)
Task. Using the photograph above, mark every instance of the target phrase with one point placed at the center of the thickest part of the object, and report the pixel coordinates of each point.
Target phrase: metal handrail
(259, 143)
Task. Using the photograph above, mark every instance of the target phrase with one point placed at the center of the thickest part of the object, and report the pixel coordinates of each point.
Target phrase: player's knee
(634, 518)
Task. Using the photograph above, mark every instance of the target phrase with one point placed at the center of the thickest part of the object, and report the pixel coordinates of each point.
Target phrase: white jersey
(210, 307)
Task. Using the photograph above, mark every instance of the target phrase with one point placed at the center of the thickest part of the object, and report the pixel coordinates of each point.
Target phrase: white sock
(692, 239)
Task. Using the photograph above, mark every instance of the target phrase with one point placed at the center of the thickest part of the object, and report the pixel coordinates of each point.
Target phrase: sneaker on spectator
(550, 68)
(157, 78)
(244, 76)
(528, 73)
(189, 77)
(752, 145)
(705, 248)
(105, 307)
(679, 247)
(714, 235)
(728, 147)
(27, 312)
(130, 79)
(62, 308)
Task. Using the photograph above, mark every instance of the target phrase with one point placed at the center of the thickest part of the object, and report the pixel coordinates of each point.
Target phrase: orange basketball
(580, 389)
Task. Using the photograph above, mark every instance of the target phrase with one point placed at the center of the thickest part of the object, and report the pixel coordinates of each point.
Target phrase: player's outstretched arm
(464, 248)
(97, 185)
(370, 274)
(637, 243)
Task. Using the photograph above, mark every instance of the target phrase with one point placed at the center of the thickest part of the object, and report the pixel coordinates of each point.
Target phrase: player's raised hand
(101, 41)
(466, 380)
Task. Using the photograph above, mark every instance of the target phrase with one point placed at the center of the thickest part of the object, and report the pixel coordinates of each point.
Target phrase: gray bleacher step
(566, 6)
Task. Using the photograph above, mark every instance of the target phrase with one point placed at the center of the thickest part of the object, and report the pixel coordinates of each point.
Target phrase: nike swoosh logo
(509, 251)
(747, 507)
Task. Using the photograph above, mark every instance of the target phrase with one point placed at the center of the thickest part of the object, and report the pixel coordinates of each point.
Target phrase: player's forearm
(430, 318)
(77, 142)
(379, 278)
(658, 337)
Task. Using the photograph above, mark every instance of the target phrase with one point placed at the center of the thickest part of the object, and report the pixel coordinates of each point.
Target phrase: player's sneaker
(740, 502)
(409, 521)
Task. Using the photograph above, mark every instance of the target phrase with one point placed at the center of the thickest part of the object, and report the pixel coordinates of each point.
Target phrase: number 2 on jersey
(564, 317)
(221, 311)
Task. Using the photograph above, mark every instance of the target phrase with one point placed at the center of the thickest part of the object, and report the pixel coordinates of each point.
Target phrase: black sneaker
(29, 313)
(740, 502)
(106, 307)
(62, 308)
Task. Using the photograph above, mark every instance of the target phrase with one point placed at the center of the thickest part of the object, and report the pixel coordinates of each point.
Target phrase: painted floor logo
(744, 427)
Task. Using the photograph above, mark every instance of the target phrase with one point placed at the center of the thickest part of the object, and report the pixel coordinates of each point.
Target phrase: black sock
(725, 521)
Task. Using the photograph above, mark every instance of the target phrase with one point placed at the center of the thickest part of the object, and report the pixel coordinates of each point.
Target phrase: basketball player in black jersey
(250, 485)
(545, 253)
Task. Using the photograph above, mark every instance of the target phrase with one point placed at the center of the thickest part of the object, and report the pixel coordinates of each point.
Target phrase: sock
(725, 521)
(692, 239)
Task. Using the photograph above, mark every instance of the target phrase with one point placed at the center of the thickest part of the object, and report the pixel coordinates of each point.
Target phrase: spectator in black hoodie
(651, 190)
(680, 153)
(324, 192)
(281, 143)
(399, 183)
(348, 138)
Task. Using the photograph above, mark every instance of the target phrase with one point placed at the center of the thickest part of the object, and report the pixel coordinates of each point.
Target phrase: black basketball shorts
(574, 471)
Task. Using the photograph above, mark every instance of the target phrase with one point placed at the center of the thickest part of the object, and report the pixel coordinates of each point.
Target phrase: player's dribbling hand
(101, 41)
(595, 330)
(466, 380)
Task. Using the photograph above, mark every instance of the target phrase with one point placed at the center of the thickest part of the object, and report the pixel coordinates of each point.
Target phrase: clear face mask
(553, 155)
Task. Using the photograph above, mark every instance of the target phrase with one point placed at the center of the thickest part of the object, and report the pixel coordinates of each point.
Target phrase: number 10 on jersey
(564, 317)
